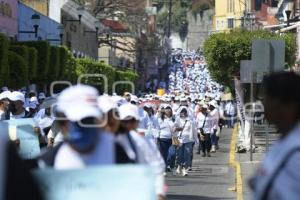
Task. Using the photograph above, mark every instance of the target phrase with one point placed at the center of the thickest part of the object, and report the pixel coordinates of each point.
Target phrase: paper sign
(127, 182)
(23, 129)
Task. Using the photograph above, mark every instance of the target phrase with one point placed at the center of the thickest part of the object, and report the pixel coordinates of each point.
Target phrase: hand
(37, 130)
(179, 129)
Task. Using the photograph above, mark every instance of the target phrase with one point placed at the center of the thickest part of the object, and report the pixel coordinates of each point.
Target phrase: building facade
(9, 17)
(48, 29)
(229, 14)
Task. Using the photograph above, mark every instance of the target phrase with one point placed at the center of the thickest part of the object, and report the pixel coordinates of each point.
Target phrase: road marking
(236, 164)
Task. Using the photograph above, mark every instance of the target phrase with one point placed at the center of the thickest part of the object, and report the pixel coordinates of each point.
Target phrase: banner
(244, 132)
(126, 182)
(23, 129)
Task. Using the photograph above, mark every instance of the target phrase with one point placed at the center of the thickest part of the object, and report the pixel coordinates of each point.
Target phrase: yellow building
(229, 13)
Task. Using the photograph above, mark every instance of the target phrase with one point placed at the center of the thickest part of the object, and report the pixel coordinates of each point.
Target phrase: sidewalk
(248, 167)
(210, 179)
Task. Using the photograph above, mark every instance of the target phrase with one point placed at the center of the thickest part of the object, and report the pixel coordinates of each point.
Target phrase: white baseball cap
(134, 98)
(5, 95)
(79, 102)
(33, 99)
(129, 111)
(17, 96)
(106, 103)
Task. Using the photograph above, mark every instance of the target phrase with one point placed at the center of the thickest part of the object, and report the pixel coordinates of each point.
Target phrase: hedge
(23, 52)
(88, 66)
(32, 63)
(43, 49)
(53, 72)
(63, 59)
(4, 66)
(18, 73)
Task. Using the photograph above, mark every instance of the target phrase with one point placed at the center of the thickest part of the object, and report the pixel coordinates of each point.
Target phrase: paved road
(210, 178)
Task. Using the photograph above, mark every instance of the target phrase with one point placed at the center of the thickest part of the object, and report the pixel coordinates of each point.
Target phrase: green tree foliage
(18, 73)
(224, 51)
(4, 66)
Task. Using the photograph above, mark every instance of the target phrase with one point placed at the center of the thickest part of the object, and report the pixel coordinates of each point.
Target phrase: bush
(23, 52)
(224, 51)
(43, 49)
(63, 60)
(32, 63)
(54, 65)
(4, 66)
(18, 73)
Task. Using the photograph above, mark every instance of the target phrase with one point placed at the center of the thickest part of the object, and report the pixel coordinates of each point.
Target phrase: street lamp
(288, 15)
(97, 27)
(61, 29)
(61, 33)
(80, 11)
(35, 18)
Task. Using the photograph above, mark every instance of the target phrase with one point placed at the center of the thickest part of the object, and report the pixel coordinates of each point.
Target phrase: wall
(9, 17)
(223, 13)
(39, 5)
(47, 29)
(199, 29)
(75, 37)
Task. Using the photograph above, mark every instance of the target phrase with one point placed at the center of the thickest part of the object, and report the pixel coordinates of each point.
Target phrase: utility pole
(170, 18)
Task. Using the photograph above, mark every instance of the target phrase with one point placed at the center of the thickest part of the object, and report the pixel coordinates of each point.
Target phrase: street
(210, 178)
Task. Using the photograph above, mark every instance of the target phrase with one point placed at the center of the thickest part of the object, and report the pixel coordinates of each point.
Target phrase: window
(230, 23)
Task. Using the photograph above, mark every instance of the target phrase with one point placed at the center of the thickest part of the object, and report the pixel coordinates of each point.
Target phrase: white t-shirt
(189, 133)
(103, 154)
(2, 115)
(166, 128)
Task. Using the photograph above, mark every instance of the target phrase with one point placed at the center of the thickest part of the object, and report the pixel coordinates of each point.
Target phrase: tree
(224, 51)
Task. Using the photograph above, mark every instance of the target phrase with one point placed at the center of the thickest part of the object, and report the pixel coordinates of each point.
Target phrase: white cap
(5, 95)
(204, 106)
(42, 95)
(148, 105)
(213, 103)
(33, 99)
(134, 98)
(17, 96)
(129, 111)
(79, 102)
(106, 103)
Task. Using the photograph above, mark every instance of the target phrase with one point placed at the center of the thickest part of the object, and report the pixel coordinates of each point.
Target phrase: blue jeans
(185, 152)
(164, 145)
(172, 156)
(214, 140)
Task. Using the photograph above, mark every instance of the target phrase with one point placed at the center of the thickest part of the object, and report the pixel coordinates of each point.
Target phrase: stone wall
(200, 27)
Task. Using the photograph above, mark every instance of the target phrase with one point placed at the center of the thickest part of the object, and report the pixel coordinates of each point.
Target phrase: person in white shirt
(187, 134)
(215, 117)
(230, 113)
(166, 131)
(150, 123)
(204, 128)
(4, 105)
(16, 106)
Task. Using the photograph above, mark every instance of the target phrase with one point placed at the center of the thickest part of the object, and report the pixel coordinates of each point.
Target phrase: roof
(114, 25)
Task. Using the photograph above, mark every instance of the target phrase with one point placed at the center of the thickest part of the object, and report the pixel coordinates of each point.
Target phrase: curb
(236, 164)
